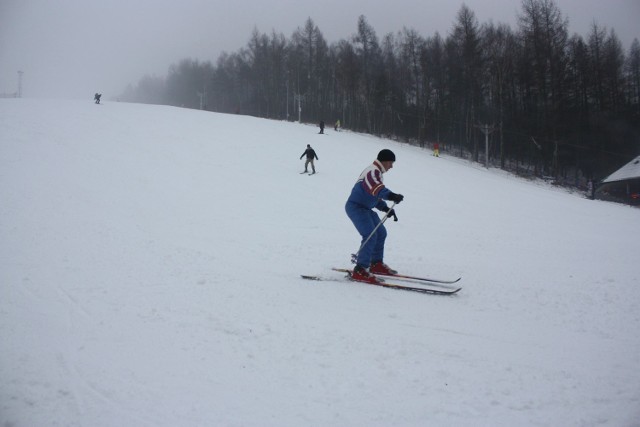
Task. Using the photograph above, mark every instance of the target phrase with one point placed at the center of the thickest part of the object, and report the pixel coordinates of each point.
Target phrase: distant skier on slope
(97, 97)
(367, 193)
(311, 154)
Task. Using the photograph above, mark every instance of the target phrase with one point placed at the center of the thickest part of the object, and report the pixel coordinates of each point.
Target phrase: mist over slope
(150, 262)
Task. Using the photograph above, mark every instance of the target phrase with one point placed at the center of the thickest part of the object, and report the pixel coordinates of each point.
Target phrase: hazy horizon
(71, 49)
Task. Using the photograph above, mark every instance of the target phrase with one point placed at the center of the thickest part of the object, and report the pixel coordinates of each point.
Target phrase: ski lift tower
(298, 97)
(486, 129)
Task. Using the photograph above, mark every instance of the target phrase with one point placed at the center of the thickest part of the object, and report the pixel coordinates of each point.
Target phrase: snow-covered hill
(150, 262)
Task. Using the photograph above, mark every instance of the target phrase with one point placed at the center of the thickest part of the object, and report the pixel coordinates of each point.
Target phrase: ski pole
(354, 257)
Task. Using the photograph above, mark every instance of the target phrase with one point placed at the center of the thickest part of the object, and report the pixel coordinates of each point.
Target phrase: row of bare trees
(551, 104)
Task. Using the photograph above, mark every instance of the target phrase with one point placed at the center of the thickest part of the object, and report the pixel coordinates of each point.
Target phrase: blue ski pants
(365, 220)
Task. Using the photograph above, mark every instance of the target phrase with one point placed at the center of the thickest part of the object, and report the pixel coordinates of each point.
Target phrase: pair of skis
(412, 283)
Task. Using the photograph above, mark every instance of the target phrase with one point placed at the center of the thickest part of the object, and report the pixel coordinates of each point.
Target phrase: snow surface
(150, 263)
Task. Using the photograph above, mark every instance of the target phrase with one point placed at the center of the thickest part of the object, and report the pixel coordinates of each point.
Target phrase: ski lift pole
(354, 257)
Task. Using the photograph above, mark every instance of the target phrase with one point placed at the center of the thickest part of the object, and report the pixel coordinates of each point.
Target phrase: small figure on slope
(336, 127)
(321, 126)
(96, 98)
(369, 192)
(436, 149)
(311, 154)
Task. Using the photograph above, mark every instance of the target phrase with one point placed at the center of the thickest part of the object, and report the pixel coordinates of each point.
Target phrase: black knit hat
(386, 155)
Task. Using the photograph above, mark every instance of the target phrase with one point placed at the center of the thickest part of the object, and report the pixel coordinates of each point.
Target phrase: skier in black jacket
(311, 154)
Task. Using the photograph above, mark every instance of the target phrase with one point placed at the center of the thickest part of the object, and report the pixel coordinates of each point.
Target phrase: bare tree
(544, 36)
(369, 55)
(465, 41)
(632, 70)
(499, 44)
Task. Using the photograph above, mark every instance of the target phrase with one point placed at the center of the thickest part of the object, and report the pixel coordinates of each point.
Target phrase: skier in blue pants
(369, 192)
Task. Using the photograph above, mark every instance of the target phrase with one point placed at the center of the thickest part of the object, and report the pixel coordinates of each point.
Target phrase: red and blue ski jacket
(369, 191)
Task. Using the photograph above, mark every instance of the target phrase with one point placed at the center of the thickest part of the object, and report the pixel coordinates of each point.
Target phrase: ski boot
(380, 267)
(360, 274)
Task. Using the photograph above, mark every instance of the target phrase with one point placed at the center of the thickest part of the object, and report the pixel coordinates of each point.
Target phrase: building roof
(629, 171)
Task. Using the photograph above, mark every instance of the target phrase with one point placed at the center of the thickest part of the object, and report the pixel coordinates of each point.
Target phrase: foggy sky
(74, 48)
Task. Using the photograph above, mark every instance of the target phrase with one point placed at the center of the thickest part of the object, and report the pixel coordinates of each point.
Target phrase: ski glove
(396, 197)
(391, 213)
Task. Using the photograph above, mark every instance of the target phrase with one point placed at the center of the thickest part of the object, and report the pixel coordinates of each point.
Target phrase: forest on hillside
(549, 104)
